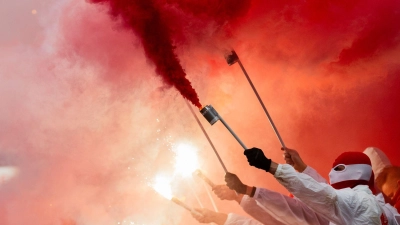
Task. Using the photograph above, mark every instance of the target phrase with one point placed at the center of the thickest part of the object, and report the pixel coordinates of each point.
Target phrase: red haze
(89, 126)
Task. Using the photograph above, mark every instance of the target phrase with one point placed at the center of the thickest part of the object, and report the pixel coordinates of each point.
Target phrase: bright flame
(185, 160)
(162, 186)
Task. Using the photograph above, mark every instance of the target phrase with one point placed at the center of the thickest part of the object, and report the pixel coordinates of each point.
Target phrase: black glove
(256, 158)
(234, 183)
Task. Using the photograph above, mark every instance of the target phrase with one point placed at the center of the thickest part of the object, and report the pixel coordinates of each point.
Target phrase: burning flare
(186, 161)
(162, 185)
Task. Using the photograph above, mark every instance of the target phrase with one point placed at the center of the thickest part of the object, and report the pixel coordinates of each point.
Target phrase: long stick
(233, 133)
(209, 182)
(178, 202)
(208, 138)
(209, 195)
(194, 193)
(203, 177)
(234, 58)
(188, 208)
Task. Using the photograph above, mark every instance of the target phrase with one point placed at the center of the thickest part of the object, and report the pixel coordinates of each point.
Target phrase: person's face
(339, 167)
(389, 189)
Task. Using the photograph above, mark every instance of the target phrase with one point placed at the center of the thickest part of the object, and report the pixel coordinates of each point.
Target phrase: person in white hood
(380, 164)
(387, 180)
(348, 201)
(379, 160)
(281, 207)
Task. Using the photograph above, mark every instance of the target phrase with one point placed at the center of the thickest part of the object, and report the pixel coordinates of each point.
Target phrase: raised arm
(343, 206)
(208, 216)
(249, 205)
(269, 204)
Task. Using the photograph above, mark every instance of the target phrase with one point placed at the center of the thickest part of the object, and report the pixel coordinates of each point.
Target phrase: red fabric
(396, 200)
(371, 183)
(397, 206)
(349, 184)
(349, 158)
(384, 220)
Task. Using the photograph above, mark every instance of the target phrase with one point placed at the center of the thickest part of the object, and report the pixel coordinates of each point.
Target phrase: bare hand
(292, 158)
(234, 183)
(204, 215)
(224, 193)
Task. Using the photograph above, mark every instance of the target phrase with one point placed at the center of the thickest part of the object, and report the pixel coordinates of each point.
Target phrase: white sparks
(163, 187)
(185, 160)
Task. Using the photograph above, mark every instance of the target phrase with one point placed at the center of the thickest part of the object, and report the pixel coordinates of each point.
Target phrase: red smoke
(88, 126)
(145, 20)
(378, 34)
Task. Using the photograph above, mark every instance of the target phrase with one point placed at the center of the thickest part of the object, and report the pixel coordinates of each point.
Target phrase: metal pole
(212, 117)
(233, 133)
(208, 138)
(231, 59)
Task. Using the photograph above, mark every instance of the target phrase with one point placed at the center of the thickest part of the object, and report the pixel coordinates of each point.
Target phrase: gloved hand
(234, 183)
(256, 158)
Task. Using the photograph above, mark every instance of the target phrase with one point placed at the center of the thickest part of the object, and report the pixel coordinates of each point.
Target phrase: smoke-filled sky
(89, 116)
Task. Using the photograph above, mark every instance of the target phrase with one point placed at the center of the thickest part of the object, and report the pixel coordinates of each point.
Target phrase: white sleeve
(314, 174)
(344, 206)
(251, 207)
(391, 213)
(234, 219)
(397, 217)
(288, 210)
(378, 158)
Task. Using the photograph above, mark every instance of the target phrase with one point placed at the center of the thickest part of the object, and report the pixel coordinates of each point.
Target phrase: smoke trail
(80, 113)
(145, 19)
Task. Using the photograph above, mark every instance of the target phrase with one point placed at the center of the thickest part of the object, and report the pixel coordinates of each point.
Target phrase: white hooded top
(379, 160)
(347, 206)
(292, 211)
(234, 219)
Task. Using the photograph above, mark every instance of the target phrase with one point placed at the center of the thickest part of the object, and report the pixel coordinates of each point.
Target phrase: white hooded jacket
(234, 219)
(293, 211)
(345, 206)
(273, 208)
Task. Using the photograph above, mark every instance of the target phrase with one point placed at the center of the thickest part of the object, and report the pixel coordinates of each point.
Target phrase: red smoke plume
(145, 20)
(379, 33)
(80, 113)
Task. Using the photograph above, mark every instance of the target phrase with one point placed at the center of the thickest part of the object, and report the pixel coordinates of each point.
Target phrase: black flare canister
(210, 114)
(212, 117)
(231, 58)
